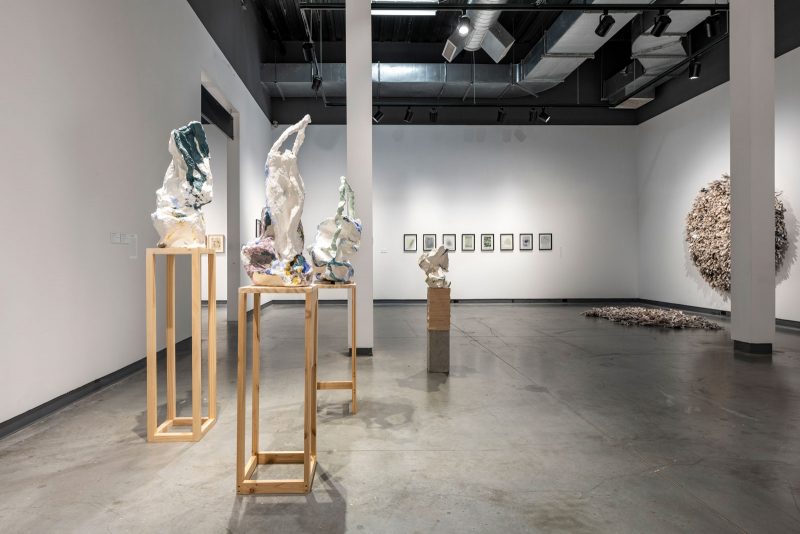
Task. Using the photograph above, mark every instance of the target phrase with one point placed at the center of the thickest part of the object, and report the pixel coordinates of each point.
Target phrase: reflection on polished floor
(549, 421)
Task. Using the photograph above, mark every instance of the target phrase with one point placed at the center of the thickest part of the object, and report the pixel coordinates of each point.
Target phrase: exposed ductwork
(653, 56)
(485, 32)
(568, 42)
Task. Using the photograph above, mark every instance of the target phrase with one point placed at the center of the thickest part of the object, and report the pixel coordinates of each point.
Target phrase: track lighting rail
(462, 5)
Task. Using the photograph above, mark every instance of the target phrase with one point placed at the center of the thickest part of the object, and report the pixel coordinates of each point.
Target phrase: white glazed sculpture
(337, 240)
(187, 187)
(275, 258)
(435, 264)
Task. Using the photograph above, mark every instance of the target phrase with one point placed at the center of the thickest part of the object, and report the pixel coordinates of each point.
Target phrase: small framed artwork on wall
(487, 242)
(506, 241)
(428, 242)
(526, 241)
(545, 241)
(409, 242)
(216, 242)
(449, 242)
(467, 242)
(258, 228)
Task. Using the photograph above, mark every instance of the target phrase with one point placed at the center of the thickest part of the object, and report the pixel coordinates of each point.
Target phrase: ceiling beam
(462, 5)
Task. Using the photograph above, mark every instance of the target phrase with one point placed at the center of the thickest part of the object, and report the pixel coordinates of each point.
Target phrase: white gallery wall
(90, 93)
(578, 183)
(216, 213)
(682, 150)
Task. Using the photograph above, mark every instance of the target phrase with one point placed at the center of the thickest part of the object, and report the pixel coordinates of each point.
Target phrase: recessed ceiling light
(405, 12)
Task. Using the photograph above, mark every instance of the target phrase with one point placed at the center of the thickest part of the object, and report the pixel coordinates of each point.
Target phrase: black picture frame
(506, 248)
(425, 238)
(407, 245)
(444, 242)
(487, 246)
(545, 241)
(467, 246)
(526, 242)
(258, 228)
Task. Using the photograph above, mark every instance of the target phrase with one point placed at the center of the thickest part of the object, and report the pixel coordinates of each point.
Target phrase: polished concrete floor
(548, 422)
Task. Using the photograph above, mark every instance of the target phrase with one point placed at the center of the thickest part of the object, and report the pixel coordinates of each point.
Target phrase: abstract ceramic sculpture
(275, 258)
(186, 188)
(337, 240)
(435, 264)
(708, 233)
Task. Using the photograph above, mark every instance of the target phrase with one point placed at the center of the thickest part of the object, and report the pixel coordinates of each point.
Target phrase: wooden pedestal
(199, 425)
(438, 330)
(245, 484)
(345, 384)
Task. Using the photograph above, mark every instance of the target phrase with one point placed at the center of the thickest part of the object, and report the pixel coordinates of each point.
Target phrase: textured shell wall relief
(708, 233)
(435, 264)
(187, 187)
(275, 257)
(337, 240)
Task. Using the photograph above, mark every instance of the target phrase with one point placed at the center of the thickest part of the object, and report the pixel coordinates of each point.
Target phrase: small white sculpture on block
(337, 240)
(187, 187)
(276, 258)
(435, 264)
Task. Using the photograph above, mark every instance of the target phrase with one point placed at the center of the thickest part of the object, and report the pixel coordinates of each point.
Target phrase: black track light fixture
(544, 116)
(605, 24)
(308, 51)
(712, 25)
(409, 115)
(531, 115)
(434, 115)
(316, 83)
(694, 69)
(464, 25)
(661, 24)
(378, 116)
(501, 115)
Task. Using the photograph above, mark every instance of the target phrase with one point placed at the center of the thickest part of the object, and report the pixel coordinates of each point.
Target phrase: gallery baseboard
(182, 348)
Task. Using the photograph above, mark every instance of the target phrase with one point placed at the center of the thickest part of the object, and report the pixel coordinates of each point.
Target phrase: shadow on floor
(322, 510)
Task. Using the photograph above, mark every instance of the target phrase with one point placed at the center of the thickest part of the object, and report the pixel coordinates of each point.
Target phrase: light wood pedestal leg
(345, 384)
(246, 465)
(199, 425)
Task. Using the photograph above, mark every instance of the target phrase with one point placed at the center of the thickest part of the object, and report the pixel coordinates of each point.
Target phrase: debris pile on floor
(657, 317)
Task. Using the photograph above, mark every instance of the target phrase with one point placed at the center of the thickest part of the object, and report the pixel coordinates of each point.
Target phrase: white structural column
(358, 53)
(752, 64)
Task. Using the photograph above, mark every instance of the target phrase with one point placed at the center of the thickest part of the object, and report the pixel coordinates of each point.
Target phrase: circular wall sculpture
(708, 233)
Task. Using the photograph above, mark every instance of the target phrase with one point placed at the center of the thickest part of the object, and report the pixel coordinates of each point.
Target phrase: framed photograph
(216, 242)
(409, 242)
(428, 242)
(449, 242)
(487, 242)
(545, 241)
(526, 241)
(467, 242)
(506, 241)
(258, 228)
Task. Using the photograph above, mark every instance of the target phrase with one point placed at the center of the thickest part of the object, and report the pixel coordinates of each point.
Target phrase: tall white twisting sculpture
(187, 187)
(337, 240)
(435, 264)
(275, 258)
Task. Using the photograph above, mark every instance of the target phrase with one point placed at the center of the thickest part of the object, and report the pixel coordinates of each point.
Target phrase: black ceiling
(279, 31)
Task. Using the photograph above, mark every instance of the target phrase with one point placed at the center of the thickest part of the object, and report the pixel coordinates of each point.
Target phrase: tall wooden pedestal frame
(345, 384)
(199, 425)
(308, 456)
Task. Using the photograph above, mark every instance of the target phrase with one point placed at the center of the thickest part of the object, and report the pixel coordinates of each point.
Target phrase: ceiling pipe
(464, 5)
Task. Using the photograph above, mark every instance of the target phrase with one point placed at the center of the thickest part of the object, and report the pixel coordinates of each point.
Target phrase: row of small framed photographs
(468, 242)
